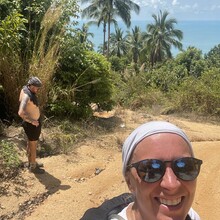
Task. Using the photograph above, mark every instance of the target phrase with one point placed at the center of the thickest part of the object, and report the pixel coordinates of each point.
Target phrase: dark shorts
(32, 132)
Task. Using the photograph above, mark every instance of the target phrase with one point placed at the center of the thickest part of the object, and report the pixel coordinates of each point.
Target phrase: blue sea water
(203, 35)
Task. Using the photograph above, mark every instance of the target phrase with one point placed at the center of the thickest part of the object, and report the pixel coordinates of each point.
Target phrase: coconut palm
(114, 8)
(161, 36)
(118, 45)
(135, 43)
(100, 16)
(84, 34)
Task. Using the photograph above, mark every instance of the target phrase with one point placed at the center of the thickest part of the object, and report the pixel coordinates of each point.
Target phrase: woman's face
(170, 197)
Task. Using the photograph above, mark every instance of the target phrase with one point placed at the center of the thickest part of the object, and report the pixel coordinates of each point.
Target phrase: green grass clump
(9, 158)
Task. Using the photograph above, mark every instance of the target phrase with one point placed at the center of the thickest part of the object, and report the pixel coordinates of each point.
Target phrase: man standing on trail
(30, 113)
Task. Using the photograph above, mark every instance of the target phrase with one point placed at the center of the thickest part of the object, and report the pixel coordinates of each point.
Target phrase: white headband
(145, 130)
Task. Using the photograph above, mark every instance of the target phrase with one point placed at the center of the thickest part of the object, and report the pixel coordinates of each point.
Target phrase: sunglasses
(152, 170)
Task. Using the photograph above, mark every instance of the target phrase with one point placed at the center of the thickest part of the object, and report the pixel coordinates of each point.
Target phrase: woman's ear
(128, 179)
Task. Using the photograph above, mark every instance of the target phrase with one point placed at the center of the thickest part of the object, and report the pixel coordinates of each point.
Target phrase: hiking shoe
(38, 164)
(36, 170)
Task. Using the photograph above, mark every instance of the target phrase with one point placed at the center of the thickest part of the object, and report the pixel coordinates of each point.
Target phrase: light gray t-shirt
(192, 213)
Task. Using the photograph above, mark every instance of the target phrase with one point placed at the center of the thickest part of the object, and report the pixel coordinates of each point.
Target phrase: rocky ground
(91, 174)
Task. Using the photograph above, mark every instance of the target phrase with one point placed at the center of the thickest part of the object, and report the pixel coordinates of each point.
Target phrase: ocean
(203, 35)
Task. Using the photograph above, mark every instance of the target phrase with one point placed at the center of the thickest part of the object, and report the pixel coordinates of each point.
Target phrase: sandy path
(74, 187)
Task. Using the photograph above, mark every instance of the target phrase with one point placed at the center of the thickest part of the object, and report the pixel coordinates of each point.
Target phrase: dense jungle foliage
(138, 71)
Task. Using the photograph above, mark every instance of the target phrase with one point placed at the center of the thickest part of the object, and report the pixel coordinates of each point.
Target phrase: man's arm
(22, 109)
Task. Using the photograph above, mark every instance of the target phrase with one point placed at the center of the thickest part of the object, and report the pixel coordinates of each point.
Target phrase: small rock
(98, 171)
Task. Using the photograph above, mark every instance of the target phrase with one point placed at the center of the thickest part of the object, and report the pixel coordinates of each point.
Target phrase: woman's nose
(170, 180)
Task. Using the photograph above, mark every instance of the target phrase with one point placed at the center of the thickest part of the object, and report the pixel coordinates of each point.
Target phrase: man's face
(170, 197)
(34, 89)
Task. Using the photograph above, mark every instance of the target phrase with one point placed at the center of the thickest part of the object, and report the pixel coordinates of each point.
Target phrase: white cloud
(182, 9)
(175, 2)
(151, 3)
(185, 7)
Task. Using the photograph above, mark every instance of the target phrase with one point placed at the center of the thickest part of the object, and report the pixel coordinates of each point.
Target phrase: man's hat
(35, 81)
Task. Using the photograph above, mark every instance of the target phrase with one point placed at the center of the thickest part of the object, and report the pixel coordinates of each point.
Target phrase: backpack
(109, 208)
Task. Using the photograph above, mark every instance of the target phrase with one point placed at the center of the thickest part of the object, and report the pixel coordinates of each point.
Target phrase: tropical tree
(135, 43)
(113, 9)
(100, 14)
(83, 77)
(31, 34)
(11, 67)
(192, 60)
(83, 35)
(97, 13)
(118, 44)
(8, 7)
(161, 36)
(213, 56)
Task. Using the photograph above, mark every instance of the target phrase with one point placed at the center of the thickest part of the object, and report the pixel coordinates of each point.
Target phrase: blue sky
(179, 9)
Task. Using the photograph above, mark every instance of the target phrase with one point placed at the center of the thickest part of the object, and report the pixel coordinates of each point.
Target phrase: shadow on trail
(51, 183)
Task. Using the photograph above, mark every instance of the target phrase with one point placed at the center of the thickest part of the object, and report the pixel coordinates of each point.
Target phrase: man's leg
(28, 153)
(33, 134)
(28, 150)
(34, 167)
(32, 145)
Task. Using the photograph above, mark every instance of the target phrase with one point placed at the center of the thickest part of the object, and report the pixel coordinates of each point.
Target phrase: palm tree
(84, 34)
(114, 8)
(161, 36)
(123, 8)
(118, 45)
(100, 16)
(135, 43)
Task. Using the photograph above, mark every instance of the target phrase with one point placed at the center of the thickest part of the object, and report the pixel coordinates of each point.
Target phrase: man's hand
(35, 123)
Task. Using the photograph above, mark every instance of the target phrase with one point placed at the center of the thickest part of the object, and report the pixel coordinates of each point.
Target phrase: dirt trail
(92, 174)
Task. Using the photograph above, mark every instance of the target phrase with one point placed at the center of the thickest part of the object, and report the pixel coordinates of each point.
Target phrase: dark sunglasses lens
(151, 170)
(187, 168)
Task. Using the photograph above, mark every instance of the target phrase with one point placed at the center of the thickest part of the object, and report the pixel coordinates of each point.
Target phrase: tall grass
(46, 50)
(15, 68)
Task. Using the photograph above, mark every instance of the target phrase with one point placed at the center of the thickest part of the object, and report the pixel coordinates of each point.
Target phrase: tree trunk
(109, 30)
(104, 44)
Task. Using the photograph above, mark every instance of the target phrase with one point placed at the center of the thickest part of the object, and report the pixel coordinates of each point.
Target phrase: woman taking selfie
(160, 170)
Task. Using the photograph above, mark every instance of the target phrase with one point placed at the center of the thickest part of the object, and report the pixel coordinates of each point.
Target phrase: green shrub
(167, 77)
(136, 91)
(89, 81)
(118, 64)
(9, 158)
(200, 95)
(213, 57)
(192, 60)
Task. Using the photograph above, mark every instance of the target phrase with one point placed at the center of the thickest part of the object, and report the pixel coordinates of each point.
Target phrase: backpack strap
(108, 208)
